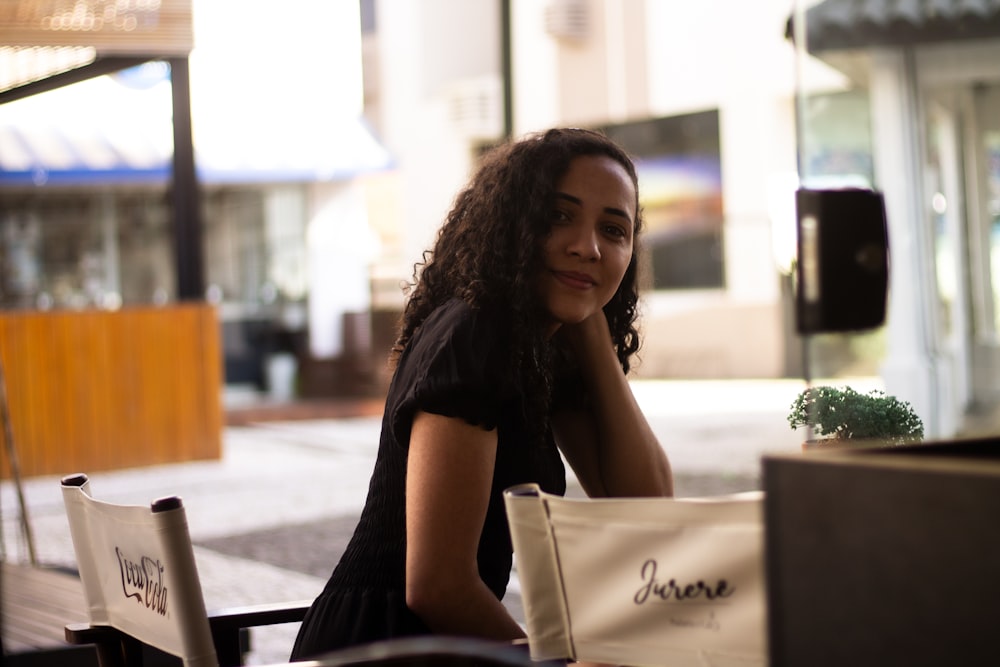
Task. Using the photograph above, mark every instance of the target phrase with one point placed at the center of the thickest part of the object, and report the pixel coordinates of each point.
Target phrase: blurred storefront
(86, 220)
(87, 190)
(131, 386)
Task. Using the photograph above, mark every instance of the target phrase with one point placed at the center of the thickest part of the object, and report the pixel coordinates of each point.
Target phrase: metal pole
(15, 467)
(507, 67)
(187, 224)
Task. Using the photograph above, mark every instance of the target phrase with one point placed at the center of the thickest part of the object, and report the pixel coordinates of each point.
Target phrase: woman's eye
(615, 231)
(560, 216)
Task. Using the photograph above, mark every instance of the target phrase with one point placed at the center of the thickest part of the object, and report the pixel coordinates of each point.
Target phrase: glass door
(945, 215)
(987, 159)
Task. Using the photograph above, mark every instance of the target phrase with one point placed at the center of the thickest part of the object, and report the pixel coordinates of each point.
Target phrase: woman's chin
(568, 319)
(569, 312)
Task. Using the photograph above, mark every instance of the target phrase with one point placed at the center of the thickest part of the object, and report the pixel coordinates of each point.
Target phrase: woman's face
(589, 247)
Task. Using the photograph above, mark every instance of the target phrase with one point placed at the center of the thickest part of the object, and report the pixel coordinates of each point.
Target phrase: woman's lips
(580, 281)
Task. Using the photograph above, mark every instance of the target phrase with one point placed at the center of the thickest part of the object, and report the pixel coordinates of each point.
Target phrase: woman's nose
(584, 243)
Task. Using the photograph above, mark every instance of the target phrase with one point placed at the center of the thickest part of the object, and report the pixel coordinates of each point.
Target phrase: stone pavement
(271, 517)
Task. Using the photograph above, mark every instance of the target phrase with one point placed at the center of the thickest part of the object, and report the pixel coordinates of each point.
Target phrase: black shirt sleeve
(450, 367)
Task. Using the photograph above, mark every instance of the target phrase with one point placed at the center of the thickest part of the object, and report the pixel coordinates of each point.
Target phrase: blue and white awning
(118, 130)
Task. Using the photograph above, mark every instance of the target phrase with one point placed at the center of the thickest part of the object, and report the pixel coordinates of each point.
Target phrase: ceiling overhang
(47, 44)
(839, 25)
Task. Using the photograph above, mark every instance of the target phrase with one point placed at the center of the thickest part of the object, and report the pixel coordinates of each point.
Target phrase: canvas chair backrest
(641, 581)
(138, 571)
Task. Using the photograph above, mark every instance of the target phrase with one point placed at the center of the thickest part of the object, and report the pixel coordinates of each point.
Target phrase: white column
(915, 369)
(954, 266)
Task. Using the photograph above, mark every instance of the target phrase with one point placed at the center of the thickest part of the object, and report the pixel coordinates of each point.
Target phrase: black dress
(450, 367)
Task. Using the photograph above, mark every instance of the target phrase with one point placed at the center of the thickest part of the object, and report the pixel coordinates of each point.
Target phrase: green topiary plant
(847, 414)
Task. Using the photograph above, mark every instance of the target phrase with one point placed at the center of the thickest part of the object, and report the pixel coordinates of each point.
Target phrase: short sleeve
(451, 367)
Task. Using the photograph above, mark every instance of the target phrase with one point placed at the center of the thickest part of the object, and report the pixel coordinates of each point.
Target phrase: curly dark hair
(488, 253)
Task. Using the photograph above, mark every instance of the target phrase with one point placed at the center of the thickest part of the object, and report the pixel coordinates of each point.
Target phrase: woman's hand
(587, 338)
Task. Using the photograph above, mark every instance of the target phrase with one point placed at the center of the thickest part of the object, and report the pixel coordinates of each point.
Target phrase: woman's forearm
(630, 457)
(624, 451)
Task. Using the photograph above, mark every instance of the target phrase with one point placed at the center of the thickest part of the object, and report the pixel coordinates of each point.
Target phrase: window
(680, 186)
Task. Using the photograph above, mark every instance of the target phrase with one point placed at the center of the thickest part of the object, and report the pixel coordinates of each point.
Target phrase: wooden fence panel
(100, 390)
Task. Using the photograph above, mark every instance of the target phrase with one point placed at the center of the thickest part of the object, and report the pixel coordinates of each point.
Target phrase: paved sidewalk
(271, 517)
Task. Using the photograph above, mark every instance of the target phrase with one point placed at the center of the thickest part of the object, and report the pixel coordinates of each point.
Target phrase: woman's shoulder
(456, 319)
(453, 365)
(454, 332)
(452, 312)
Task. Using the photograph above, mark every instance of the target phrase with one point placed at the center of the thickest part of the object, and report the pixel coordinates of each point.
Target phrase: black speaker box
(843, 260)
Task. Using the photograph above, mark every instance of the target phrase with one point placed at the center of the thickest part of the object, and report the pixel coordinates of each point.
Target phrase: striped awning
(118, 129)
(853, 24)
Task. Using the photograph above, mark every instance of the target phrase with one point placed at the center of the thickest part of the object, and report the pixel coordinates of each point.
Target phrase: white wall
(534, 64)
(729, 55)
(432, 156)
(258, 66)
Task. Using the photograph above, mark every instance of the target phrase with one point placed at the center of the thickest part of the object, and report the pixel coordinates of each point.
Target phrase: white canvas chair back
(138, 572)
(641, 581)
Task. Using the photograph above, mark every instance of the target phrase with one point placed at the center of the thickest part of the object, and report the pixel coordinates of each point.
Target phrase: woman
(517, 336)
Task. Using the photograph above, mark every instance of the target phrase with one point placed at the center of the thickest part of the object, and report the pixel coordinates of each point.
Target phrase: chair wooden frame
(119, 648)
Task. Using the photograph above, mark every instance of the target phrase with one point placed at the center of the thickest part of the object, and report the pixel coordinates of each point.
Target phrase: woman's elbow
(428, 594)
(653, 482)
(666, 477)
(659, 481)
(419, 593)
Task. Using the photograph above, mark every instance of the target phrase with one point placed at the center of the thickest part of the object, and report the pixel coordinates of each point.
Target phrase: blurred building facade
(330, 154)
(727, 115)
(707, 106)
